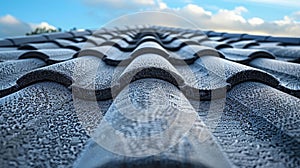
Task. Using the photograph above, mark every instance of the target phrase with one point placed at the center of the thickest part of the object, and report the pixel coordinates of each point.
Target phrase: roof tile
(28, 39)
(287, 73)
(237, 93)
(6, 43)
(244, 55)
(199, 146)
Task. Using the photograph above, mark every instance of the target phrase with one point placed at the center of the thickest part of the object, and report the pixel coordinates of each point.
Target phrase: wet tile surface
(149, 96)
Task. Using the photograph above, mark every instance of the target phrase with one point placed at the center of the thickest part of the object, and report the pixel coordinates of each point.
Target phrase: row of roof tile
(242, 80)
(184, 51)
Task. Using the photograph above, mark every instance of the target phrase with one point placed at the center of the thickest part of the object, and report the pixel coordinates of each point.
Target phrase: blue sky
(276, 17)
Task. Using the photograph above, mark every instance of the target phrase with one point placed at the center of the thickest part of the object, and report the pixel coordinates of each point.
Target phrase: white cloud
(43, 25)
(223, 20)
(150, 18)
(234, 21)
(230, 16)
(161, 4)
(256, 21)
(285, 21)
(144, 2)
(197, 10)
(11, 26)
(8, 19)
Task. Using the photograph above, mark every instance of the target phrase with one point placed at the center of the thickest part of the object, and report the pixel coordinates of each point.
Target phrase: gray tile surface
(149, 96)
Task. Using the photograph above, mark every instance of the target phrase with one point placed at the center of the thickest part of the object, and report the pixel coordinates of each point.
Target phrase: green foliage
(39, 30)
(73, 29)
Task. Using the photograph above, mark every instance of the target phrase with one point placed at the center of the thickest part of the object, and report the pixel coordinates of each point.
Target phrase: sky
(273, 17)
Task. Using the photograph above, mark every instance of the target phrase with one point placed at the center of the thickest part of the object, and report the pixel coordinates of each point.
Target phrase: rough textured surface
(37, 46)
(285, 53)
(215, 44)
(6, 55)
(244, 55)
(39, 128)
(244, 44)
(173, 129)
(287, 73)
(21, 40)
(258, 131)
(149, 96)
(10, 71)
(50, 55)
